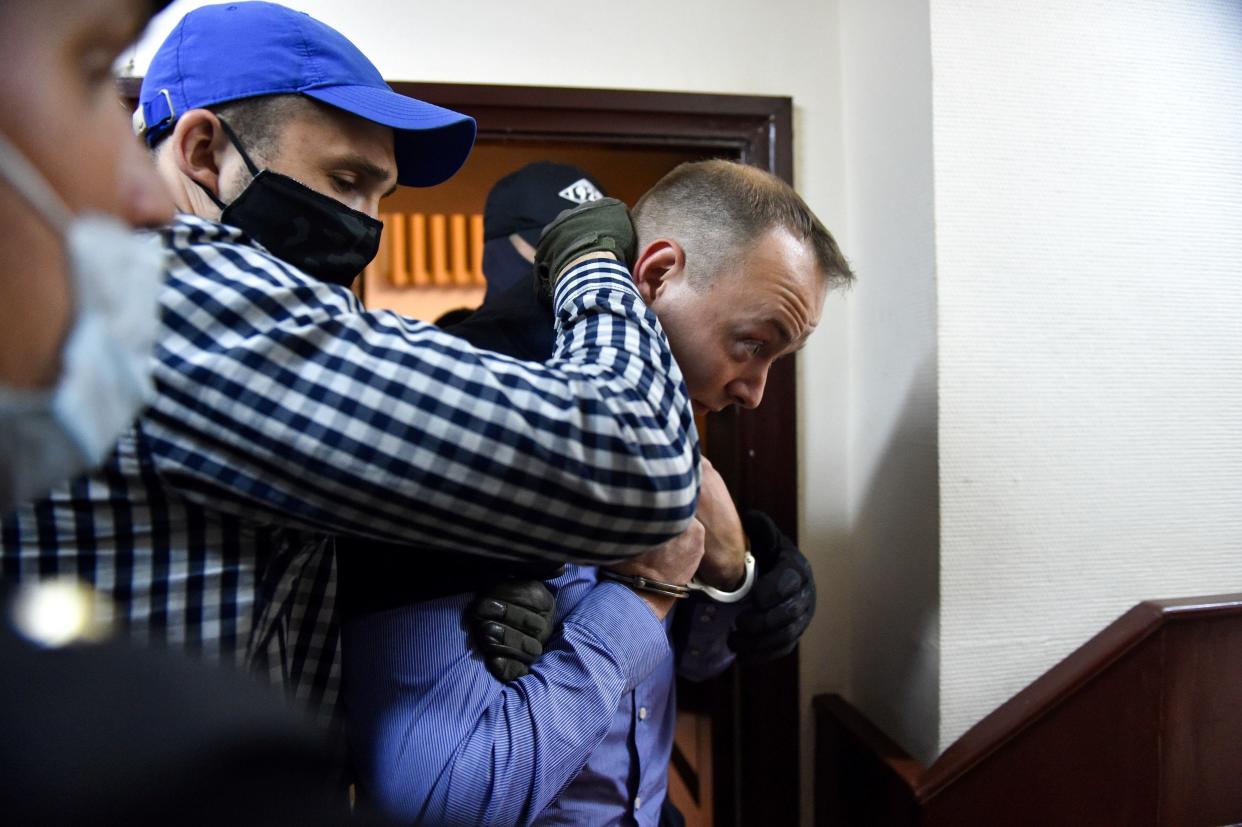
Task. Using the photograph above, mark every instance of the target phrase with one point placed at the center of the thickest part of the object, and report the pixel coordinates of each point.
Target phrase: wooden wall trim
(901, 766)
(577, 100)
(1026, 708)
(862, 778)
(756, 129)
(1137, 726)
(1029, 706)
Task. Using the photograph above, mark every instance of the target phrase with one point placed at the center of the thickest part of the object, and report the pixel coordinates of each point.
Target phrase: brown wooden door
(737, 757)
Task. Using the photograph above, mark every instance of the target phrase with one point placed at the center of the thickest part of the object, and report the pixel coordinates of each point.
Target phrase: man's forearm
(373, 425)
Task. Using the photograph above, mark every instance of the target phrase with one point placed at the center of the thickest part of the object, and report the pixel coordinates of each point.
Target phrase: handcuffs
(646, 584)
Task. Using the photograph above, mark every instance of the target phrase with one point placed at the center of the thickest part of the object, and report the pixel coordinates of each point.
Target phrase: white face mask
(47, 436)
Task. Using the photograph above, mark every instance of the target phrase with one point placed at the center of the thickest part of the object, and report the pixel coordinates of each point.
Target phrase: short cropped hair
(714, 209)
(259, 121)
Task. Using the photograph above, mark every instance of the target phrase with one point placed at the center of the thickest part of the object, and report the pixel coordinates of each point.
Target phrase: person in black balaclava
(512, 319)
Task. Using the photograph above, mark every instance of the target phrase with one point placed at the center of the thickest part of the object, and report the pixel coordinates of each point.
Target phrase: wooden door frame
(755, 712)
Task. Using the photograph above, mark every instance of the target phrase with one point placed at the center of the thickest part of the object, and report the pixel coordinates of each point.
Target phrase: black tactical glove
(596, 226)
(783, 600)
(510, 621)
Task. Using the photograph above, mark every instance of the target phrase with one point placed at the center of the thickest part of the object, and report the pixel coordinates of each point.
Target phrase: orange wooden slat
(419, 274)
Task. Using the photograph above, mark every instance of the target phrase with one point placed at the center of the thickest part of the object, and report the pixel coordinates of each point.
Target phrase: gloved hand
(783, 600)
(596, 226)
(510, 622)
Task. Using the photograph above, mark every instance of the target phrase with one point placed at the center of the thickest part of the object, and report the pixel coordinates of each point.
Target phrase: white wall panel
(1088, 189)
(894, 539)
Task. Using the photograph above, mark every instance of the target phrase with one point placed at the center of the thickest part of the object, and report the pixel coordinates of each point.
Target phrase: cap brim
(431, 142)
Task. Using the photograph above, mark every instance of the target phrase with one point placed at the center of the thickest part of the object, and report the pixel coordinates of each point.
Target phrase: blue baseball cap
(218, 54)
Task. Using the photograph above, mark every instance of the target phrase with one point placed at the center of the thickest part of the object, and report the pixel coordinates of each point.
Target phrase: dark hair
(257, 121)
(713, 208)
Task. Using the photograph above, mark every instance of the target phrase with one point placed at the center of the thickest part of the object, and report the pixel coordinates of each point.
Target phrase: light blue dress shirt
(584, 739)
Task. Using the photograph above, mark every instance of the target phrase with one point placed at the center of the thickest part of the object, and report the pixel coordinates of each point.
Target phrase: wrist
(657, 594)
(726, 578)
(647, 584)
(659, 604)
(586, 257)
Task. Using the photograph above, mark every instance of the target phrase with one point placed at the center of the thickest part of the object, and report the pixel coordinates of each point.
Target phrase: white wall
(781, 47)
(892, 469)
(1088, 186)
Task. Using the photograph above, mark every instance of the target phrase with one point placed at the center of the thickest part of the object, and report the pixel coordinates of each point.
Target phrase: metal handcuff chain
(646, 584)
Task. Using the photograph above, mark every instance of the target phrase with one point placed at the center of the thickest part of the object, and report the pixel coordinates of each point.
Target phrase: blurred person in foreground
(77, 288)
(98, 732)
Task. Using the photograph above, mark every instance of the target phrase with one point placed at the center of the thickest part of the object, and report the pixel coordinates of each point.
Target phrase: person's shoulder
(208, 248)
(189, 230)
(204, 251)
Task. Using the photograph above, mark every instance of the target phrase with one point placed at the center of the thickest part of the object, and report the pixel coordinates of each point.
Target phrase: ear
(658, 264)
(199, 147)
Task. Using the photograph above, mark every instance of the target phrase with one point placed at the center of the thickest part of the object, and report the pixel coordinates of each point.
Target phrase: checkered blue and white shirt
(286, 413)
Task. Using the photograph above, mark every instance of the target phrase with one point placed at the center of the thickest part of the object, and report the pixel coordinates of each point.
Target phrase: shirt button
(638, 801)
(642, 713)
(695, 652)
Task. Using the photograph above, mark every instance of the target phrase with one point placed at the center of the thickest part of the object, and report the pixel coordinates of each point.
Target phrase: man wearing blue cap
(285, 413)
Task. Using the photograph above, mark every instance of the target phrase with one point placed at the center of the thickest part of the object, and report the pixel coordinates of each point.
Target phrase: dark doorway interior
(737, 757)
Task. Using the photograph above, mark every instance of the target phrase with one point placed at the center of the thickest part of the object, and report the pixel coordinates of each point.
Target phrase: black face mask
(315, 233)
